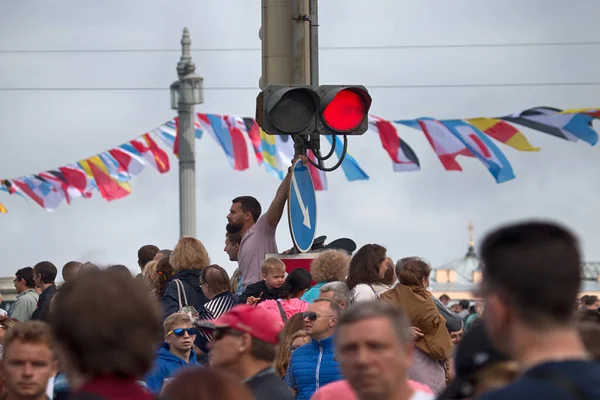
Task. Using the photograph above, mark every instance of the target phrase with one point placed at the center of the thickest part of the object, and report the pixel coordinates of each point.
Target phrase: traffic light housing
(287, 109)
(344, 109)
(302, 110)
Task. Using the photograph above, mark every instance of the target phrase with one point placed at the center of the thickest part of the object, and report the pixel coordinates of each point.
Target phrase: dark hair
(444, 297)
(588, 315)
(85, 326)
(364, 266)
(165, 273)
(146, 254)
(536, 268)
(464, 304)
(234, 238)
(70, 269)
(296, 281)
(119, 269)
(27, 275)
(46, 270)
(390, 276)
(262, 350)
(249, 204)
(206, 384)
(413, 272)
(589, 300)
(216, 278)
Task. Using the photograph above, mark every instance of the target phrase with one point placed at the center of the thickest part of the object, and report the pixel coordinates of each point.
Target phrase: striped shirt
(212, 310)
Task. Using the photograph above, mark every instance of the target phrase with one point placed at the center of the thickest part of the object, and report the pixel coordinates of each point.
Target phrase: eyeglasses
(181, 331)
(313, 316)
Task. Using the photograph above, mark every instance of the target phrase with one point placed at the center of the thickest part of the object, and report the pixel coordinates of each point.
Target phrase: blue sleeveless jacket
(314, 365)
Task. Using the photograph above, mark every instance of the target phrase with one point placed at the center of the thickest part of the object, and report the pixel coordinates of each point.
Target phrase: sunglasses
(313, 316)
(181, 331)
(220, 333)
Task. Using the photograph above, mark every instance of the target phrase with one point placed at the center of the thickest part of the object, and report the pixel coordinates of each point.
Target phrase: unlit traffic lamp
(287, 109)
(344, 110)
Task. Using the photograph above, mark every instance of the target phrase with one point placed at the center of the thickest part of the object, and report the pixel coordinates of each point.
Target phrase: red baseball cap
(248, 319)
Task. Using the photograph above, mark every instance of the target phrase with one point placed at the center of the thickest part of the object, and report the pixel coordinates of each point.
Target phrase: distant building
(460, 279)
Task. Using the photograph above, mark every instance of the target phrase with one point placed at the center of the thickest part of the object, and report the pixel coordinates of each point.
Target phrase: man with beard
(258, 232)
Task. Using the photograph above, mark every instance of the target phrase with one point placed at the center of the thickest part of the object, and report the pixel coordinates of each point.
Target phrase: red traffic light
(345, 109)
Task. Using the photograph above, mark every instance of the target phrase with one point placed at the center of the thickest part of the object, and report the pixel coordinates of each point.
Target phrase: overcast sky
(421, 213)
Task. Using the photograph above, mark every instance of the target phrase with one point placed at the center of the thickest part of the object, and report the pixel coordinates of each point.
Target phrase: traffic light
(287, 109)
(344, 110)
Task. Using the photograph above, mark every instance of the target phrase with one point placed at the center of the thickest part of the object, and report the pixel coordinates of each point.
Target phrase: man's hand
(416, 333)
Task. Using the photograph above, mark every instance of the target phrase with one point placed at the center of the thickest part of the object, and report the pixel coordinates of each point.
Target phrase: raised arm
(275, 210)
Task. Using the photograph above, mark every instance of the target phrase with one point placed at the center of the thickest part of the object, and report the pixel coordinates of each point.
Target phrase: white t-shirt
(363, 292)
(418, 395)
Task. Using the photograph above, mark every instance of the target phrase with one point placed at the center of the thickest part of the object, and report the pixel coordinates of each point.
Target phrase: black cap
(474, 353)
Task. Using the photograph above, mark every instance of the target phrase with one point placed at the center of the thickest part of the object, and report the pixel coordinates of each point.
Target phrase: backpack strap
(561, 381)
(281, 311)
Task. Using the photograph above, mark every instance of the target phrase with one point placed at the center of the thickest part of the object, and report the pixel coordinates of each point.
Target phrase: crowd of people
(354, 326)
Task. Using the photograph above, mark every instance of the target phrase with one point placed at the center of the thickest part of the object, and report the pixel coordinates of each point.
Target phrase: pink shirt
(290, 307)
(257, 241)
(341, 390)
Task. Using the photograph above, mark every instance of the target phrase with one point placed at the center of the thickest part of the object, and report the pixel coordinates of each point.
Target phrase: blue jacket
(314, 365)
(166, 365)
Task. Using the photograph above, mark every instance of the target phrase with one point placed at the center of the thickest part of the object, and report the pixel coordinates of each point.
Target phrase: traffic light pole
(315, 137)
(301, 57)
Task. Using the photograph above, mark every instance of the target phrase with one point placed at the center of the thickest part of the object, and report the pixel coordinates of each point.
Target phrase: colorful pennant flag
(402, 155)
(503, 132)
(553, 122)
(2, 209)
(483, 148)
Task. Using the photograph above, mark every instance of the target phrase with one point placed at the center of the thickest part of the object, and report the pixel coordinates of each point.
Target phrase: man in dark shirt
(243, 343)
(44, 274)
(531, 278)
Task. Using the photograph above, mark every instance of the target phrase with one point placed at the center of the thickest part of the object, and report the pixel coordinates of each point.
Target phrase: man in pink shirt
(258, 232)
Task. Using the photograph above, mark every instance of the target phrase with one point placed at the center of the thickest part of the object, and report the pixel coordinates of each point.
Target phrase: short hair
(234, 238)
(364, 266)
(334, 307)
(464, 304)
(46, 270)
(249, 204)
(176, 319)
(330, 265)
(402, 262)
(378, 309)
(216, 278)
(445, 297)
(262, 350)
(413, 272)
(536, 267)
(340, 291)
(590, 300)
(166, 253)
(27, 275)
(85, 326)
(70, 269)
(88, 267)
(189, 254)
(206, 383)
(119, 269)
(146, 254)
(29, 332)
(271, 265)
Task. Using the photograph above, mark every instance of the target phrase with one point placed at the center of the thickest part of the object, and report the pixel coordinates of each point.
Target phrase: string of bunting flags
(110, 172)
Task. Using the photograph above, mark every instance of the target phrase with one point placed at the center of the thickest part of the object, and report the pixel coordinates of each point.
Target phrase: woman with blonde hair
(285, 350)
(329, 266)
(293, 325)
(188, 259)
(150, 277)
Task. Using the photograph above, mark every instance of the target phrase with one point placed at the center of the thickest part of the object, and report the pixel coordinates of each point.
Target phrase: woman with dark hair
(289, 303)
(164, 275)
(367, 268)
(205, 384)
